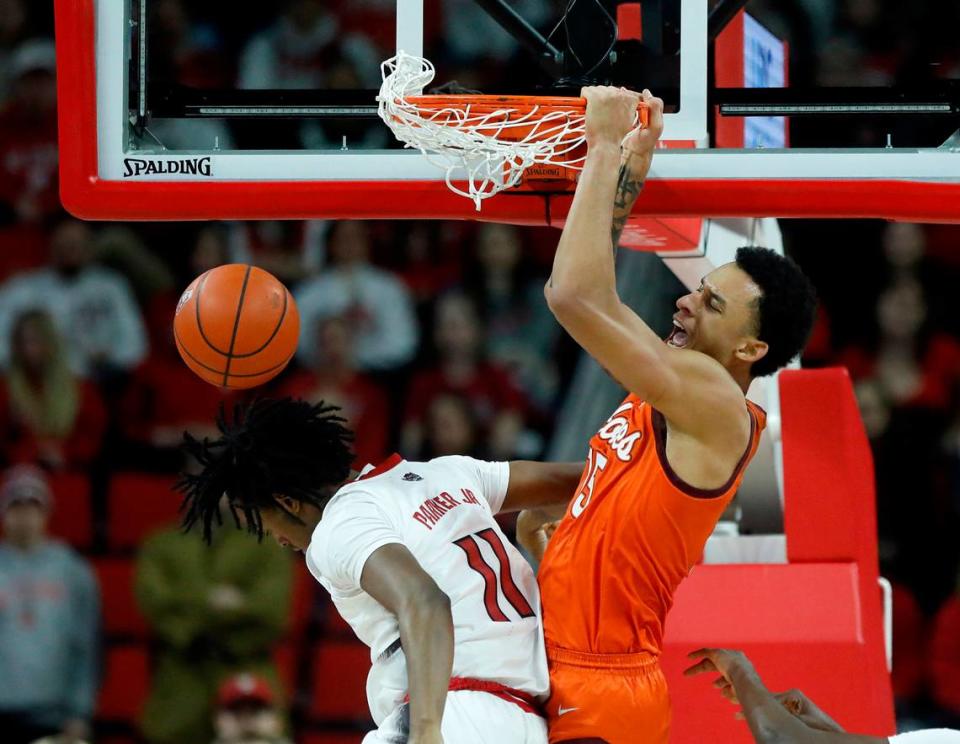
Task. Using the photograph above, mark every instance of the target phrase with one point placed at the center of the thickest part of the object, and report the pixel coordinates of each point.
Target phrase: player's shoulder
(380, 485)
(454, 462)
(396, 471)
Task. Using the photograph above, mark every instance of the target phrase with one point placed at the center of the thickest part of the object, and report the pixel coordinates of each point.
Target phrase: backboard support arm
(547, 55)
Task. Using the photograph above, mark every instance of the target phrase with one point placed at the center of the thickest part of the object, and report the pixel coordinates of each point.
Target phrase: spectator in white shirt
(93, 307)
(301, 48)
(375, 303)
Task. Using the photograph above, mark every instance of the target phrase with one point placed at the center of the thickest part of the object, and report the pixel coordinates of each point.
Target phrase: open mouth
(678, 337)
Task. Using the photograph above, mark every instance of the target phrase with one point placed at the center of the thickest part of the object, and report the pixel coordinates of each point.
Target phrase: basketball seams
(276, 328)
(196, 305)
(219, 372)
(236, 323)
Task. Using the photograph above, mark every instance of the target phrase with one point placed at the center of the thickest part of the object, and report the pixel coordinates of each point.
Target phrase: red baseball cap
(244, 688)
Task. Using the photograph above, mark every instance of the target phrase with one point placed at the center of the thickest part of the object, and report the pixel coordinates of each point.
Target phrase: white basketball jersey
(442, 511)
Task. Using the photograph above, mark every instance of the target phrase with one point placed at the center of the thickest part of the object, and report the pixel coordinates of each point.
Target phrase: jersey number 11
(471, 547)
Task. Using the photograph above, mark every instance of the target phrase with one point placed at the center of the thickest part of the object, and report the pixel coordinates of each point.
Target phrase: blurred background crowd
(433, 337)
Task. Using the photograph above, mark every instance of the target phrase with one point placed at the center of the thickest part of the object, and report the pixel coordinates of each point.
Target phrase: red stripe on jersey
(524, 700)
(388, 464)
(510, 590)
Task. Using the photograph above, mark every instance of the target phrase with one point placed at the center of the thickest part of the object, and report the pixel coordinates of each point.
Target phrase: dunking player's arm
(701, 401)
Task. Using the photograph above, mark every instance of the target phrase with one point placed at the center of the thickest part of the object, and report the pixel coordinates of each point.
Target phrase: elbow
(425, 601)
(581, 310)
(566, 303)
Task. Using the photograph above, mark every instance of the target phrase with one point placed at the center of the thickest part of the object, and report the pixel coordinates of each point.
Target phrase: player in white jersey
(412, 557)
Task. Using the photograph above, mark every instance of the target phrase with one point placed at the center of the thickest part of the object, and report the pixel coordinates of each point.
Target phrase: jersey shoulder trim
(389, 464)
(659, 425)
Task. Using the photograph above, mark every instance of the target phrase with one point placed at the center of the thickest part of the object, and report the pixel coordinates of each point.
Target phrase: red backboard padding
(800, 624)
(138, 505)
(830, 511)
(121, 615)
(830, 503)
(71, 519)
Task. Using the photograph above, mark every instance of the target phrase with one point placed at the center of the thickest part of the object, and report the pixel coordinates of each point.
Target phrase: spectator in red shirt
(164, 398)
(47, 415)
(450, 428)
(522, 333)
(28, 136)
(914, 365)
(28, 145)
(334, 378)
(463, 368)
(430, 260)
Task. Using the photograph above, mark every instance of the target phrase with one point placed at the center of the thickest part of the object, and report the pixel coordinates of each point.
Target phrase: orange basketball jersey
(631, 534)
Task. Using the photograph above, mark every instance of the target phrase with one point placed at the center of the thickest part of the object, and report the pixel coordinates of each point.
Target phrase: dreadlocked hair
(284, 446)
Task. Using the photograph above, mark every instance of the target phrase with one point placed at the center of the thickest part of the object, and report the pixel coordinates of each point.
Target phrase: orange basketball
(236, 326)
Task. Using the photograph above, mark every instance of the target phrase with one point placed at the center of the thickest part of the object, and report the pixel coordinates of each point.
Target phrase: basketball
(236, 326)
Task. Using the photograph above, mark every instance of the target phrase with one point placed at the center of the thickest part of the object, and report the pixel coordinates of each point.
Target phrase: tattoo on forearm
(628, 189)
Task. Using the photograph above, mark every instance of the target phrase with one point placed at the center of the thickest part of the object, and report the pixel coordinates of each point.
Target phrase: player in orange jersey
(668, 461)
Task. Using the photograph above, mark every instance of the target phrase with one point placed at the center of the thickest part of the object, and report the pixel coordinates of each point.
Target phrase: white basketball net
(461, 138)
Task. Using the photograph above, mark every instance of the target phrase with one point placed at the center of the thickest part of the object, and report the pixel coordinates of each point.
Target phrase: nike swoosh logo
(561, 711)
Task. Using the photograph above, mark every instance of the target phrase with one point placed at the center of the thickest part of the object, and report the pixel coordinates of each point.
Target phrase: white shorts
(469, 717)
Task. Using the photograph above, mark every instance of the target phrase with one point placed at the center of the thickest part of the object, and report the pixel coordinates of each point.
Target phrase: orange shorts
(607, 699)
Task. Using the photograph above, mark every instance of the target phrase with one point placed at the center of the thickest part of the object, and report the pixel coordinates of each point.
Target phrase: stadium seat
(305, 589)
(121, 615)
(138, 505)
(339, 681)
(945, 656)
(285, 657)
(909, 644)
(72, 517)
(125, 683)
(334, 626)
(331, 738)
(129, 738)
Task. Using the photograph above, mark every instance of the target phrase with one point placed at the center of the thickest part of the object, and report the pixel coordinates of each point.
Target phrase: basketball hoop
(497, 140)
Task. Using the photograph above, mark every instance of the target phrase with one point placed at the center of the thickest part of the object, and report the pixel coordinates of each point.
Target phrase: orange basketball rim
(498, 142)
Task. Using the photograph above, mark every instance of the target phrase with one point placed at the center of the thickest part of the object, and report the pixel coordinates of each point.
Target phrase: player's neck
(351, 477)
(741, 375)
